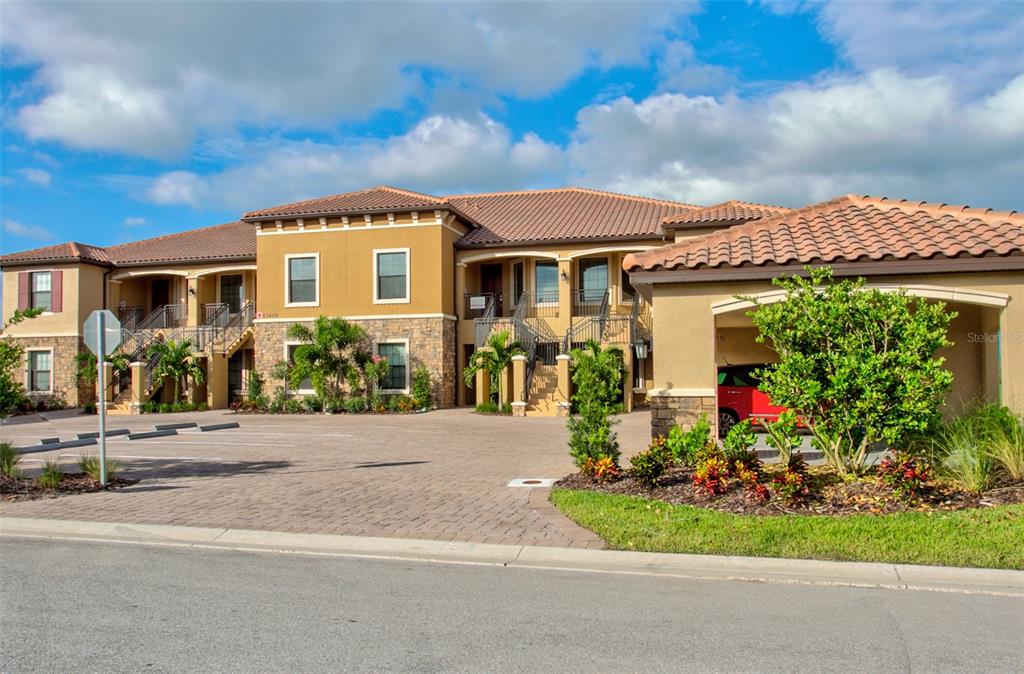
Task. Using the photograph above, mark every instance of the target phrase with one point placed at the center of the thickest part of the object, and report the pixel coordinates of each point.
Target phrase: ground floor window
(397, 354)
(40, 371)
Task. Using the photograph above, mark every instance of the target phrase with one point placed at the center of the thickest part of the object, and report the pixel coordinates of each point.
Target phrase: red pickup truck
(739, 398)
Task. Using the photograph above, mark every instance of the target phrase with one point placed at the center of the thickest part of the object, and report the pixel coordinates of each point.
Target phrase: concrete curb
(705, 567)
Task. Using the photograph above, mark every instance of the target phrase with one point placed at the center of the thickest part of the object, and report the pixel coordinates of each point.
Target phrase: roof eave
(253, 219)
(52, 260)
(554, 242)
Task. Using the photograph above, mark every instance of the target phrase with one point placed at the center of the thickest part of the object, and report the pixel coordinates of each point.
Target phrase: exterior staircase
(121, 404)
(542, 395)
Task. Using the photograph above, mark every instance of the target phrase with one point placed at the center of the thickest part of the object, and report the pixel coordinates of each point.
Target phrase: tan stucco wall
(346, 265)
(76, 306)
(689, 340)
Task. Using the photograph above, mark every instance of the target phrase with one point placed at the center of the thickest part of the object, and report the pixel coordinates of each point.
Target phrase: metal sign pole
(101, 367)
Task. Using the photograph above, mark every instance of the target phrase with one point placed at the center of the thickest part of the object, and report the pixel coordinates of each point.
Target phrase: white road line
(193, 442)
(128, 456)
(292, 434)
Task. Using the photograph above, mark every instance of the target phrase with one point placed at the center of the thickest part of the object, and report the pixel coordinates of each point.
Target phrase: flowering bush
(791, 484)
(713, 476)
(907, 474)
(602, 469)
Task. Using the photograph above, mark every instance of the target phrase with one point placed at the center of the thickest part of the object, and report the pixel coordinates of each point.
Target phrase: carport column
(1011, 348)
(518, 384)
(563, 394)
(684, 362)
(460, 289)
(217, 381)
(483, 387)
(564, 291)
(505, 377)
(138, 384)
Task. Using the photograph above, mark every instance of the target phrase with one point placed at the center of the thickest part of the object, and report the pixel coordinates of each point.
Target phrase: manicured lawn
(993, 537)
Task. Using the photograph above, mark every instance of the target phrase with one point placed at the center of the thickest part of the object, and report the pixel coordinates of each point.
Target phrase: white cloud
(441, 154)
(35, 232)
(36, 176)
(976, 44)
(135, 221)
(883, 133)
(150, 78)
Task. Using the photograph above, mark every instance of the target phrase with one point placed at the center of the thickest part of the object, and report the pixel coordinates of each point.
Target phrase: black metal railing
(237, 325)
(589, 301)
(477, 305)
(216, 314)
(484, 323)
(163, 317)
(543, 304)
(129, 317)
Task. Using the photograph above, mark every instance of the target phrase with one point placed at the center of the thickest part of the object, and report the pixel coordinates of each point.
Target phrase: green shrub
(89, 408)
(421, 387)
(9, 461)
(961, 448)
(782, 434)
(165, 408)
(355, 405)
(202, 407)
(90, 465)
(649, 464)
(293, 406)
(597, 381)
(1006, 442)
(51, 475)
(313, 404)
(687, 446)
(906, 473)
(738, 442)
(487, 407)
(181, 407)
(254, 387)
(334, 404)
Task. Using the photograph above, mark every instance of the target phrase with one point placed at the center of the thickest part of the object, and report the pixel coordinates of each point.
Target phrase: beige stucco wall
(346, 266)
(76, 305)
(690, 343)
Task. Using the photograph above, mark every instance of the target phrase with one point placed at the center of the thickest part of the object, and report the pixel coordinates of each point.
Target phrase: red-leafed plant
(907, 474)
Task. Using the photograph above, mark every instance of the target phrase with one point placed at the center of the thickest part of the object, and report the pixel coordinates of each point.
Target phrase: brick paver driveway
(441, 475)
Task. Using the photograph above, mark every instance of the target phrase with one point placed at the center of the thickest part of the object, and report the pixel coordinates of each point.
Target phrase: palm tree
(325, 354)
(493, 359)
(176, 362)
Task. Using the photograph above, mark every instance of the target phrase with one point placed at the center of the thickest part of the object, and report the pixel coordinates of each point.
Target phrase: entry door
(231, 292)
(160, 292)
(490, 282)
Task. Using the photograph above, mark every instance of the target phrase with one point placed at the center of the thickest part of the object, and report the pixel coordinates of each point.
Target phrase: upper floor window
(303, 286)
(391, 275)
(545, 281)
(40, 371)
(593, 278)
(42, 290)
(626, 289)
(518, 285)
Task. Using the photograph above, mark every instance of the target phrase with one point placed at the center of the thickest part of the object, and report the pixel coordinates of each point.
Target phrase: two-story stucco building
(430, 277)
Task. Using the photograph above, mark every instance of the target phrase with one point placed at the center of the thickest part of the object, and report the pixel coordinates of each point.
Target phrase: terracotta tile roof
(231, 241)
(848, 229)
(562, 214)
(377, 198)
(728, 211)
(71, 251)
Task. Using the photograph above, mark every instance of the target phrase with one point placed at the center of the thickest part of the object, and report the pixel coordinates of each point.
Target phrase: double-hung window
(391, 276)
(40, 371)
(42, 290)
(302, 283)
(593, 278)
(545, 281)
(397, 355)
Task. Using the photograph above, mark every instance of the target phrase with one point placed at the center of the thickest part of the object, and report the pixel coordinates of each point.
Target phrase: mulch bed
(26, 489)
(831, 495)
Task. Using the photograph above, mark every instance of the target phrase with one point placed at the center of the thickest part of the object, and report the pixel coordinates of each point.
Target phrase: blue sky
(124, 121)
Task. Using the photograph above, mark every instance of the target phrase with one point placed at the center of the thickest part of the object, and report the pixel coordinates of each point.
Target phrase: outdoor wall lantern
(191, 292)
(565, 277)
(640, 348)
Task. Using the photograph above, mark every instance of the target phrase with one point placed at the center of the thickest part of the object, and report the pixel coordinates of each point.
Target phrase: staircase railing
(482, 325)
(237, 324)
(166, 316)
(129, 317)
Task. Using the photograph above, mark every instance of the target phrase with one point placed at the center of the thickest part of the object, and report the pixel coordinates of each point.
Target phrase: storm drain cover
(532, 482)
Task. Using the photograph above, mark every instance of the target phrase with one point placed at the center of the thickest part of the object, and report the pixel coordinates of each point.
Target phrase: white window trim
(287, 281)
(408, 364)
(287, 385)
(408, 276)
(28, 369)
(47, 312)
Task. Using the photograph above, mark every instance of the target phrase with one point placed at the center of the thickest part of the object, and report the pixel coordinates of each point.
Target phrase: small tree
(493, 360)
(858, 365)
(326, 354)
(597, 380)
(177, 363)
(87, 372)
(12, 392)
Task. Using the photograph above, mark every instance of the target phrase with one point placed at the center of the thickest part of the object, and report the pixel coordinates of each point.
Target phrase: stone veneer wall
(669, 409)
(431, 342)
(64, 368)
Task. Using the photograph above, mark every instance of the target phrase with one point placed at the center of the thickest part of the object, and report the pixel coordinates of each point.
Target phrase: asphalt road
(114, 607)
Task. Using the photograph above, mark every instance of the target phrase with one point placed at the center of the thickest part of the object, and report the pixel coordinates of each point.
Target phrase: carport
(972, 260)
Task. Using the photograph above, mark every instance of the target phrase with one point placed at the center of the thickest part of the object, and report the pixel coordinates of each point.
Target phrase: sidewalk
(707, 567)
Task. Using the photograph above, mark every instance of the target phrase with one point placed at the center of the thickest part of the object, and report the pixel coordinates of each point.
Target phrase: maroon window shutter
(56, 291)
(24, 287)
